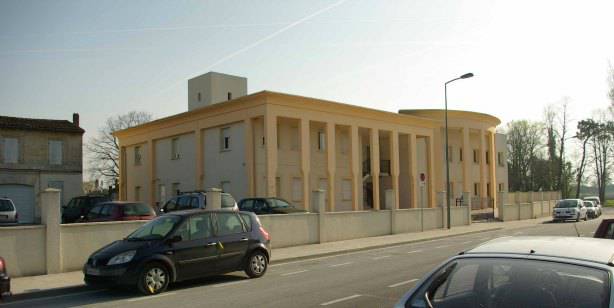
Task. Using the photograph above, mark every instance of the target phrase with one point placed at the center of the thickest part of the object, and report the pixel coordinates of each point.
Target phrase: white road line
(341, 264)
(381, 257)
(53, 297)
(415, 251)
(402, 283)
(142, 298)
(467, 242)
(519, 232)
(294, 273)
(230, 283)
(340, 300)
(442, 246)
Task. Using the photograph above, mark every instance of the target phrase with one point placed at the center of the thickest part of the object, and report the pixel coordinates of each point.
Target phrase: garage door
(23, 197)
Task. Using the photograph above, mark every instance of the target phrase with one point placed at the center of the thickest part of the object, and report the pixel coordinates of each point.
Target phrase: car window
(228, 223)
(247, 220)
(94, 212)
(259, 205)
(567, 204)
(194, 203)
(247, 205)
(498, 282)
(610, 232)
(183, 230)
(228, 201)
(279, 203)
(137, 209)
(6, 206)
(106, 211)
(170, 205)
(183, 203)
(200, 227)
(155, 229)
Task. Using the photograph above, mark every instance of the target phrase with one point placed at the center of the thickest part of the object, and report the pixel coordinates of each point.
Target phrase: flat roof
(579, 248)
(438, 114)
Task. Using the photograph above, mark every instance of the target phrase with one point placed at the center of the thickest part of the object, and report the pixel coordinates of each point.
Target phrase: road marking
(415, 251)
(294, 273)
(341, 300)
(341, 264)
(467, 242)
(381, 257)
(519, 232)
(53, 297)
(402, 283)
(142, 298)
(230, 283)
(442, 246)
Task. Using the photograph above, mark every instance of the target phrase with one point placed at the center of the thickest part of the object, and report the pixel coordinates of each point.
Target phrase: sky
(103, 58)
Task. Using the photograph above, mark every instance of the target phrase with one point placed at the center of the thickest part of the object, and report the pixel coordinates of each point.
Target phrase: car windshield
(589, 204)
(137, 209)
(567, 204)
(505, 282)
(6, 206)
(74, 203)
(277, 203)
(155, 229)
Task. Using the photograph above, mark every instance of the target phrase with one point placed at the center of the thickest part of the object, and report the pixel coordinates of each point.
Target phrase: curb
(45, 293)
(339, 252)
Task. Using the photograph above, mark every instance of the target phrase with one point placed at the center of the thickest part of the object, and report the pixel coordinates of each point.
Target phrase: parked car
(521, 272)
(605, 229)
(268, 206)
(196, 200)
(80, 206)
(569, 209)
(592, 210)
(179, 246)
(5, 280)
(119, 211)
(8, 212)
(593, 198)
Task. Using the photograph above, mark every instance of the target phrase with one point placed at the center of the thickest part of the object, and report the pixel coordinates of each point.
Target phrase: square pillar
(305, 161)
(375, 166)
(122, 174)
(331, 150)
(200, 157)
(467, 161)
(483, 174)
(249, 157)
(394, 166)
(355, 161)
(270, 133)
(413, 171)
(492, 171)
(431, 171)
(151, 170)
(50, 208)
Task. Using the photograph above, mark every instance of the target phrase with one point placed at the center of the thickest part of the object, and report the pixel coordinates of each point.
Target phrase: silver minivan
(569, 209)
(8, 212)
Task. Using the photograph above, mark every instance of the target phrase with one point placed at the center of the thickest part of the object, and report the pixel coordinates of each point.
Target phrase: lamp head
(468, 75)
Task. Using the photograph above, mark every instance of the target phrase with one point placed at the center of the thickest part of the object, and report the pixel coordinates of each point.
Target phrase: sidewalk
(72, 281)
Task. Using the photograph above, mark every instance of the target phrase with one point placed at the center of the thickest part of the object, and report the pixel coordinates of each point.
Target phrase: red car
(5, 280)
(119, 211)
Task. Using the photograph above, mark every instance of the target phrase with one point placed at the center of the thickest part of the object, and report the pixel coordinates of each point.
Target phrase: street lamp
(445, 87)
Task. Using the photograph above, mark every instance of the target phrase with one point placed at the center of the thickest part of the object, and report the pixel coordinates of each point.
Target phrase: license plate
(92, 271)
(4, 216)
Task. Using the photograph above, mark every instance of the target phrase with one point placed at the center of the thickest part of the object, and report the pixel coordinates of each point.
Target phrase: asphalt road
(371, 278)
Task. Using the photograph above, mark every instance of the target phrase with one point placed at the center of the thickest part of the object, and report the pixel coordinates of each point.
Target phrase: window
(501, 186)
(487, 158)
(175, 148)
(55, 152)
(476, 189)
(6, 206)
(321, 141)
(346, 189)
(170, 206)
(247, 205)
(198, 96)
(106, 211)
(137, 155)
(137, 209)
(184, 202)
(194, 203)
(137, 193)
(461, 282)
(476, 156)
(500, 159)
(11, 150)
(200, 227)
(450, 154)
(460, 154)
(229, 95)
(228, 223)
(94, 212)
(297, 189)
(225, 139)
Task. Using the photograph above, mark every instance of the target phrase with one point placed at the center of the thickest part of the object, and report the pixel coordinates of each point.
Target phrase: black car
(263, 206)
(80, 206)
(179, 246)
(196, 200)
(5, 280)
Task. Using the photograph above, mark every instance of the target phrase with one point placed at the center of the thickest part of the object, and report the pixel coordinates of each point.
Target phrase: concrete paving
(383, 263)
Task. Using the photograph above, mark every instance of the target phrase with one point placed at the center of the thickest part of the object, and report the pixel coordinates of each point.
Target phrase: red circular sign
(422, 177)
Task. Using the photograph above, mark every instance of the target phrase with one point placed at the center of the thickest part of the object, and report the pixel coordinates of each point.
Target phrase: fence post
(50, 208)
(441, 202)
(318, 204)
(389, 204)
(502, 199)
(214, 198)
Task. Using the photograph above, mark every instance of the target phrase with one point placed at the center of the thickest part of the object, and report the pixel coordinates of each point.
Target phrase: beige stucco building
(275, 144)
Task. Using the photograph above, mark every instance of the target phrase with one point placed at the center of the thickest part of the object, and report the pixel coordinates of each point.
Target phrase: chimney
(75, 119)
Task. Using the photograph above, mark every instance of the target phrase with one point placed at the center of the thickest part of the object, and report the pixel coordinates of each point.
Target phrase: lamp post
(445, 87)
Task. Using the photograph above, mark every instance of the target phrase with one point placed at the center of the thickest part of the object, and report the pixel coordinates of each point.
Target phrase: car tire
(153, 279)
(578, 218)
(257, 264)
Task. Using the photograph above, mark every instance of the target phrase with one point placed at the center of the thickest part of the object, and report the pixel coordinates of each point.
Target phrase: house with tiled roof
(36, 154)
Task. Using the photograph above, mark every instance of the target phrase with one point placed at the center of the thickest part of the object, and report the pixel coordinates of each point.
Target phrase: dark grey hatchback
(180, 246)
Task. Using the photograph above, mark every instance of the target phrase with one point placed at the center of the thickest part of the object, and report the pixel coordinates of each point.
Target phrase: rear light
(2, 267)
(265, 234)
(16, 216)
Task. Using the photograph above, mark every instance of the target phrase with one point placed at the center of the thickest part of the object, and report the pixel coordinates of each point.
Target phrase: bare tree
(523, 142)
(602, 145)
(103, 149)
(586, 130)
(563, 177)
(550, 116)
(611, 85)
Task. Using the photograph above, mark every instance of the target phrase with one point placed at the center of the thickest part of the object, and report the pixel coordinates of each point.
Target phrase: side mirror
(174, 239)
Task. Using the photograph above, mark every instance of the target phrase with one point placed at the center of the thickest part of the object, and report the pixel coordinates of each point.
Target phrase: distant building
(36, 154)
(275, 144)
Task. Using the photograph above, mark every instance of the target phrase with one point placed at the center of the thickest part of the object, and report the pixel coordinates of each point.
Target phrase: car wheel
(257, 264)
(585, 217)
(154, 279)
(578, 218)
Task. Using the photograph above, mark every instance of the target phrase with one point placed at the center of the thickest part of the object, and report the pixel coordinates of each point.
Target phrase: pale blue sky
(101, 58)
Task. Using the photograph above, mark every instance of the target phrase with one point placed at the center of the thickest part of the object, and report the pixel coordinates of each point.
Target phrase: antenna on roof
(576, 227)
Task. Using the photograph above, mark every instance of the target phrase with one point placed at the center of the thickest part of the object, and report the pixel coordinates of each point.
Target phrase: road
(370, 278)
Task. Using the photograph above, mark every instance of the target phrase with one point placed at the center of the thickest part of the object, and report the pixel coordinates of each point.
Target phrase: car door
(233, 238)
(197, 253)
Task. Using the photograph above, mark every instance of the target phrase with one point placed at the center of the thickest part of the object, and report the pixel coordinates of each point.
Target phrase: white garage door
(23, 197)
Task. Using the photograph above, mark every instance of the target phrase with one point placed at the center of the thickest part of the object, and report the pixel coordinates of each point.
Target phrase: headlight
(123, 257)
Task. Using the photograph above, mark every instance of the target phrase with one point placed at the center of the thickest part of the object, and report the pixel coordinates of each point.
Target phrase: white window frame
(55, 151)
(321, 141)
(137, 155)
(225, 139)
(11, 150)
(175, 149)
